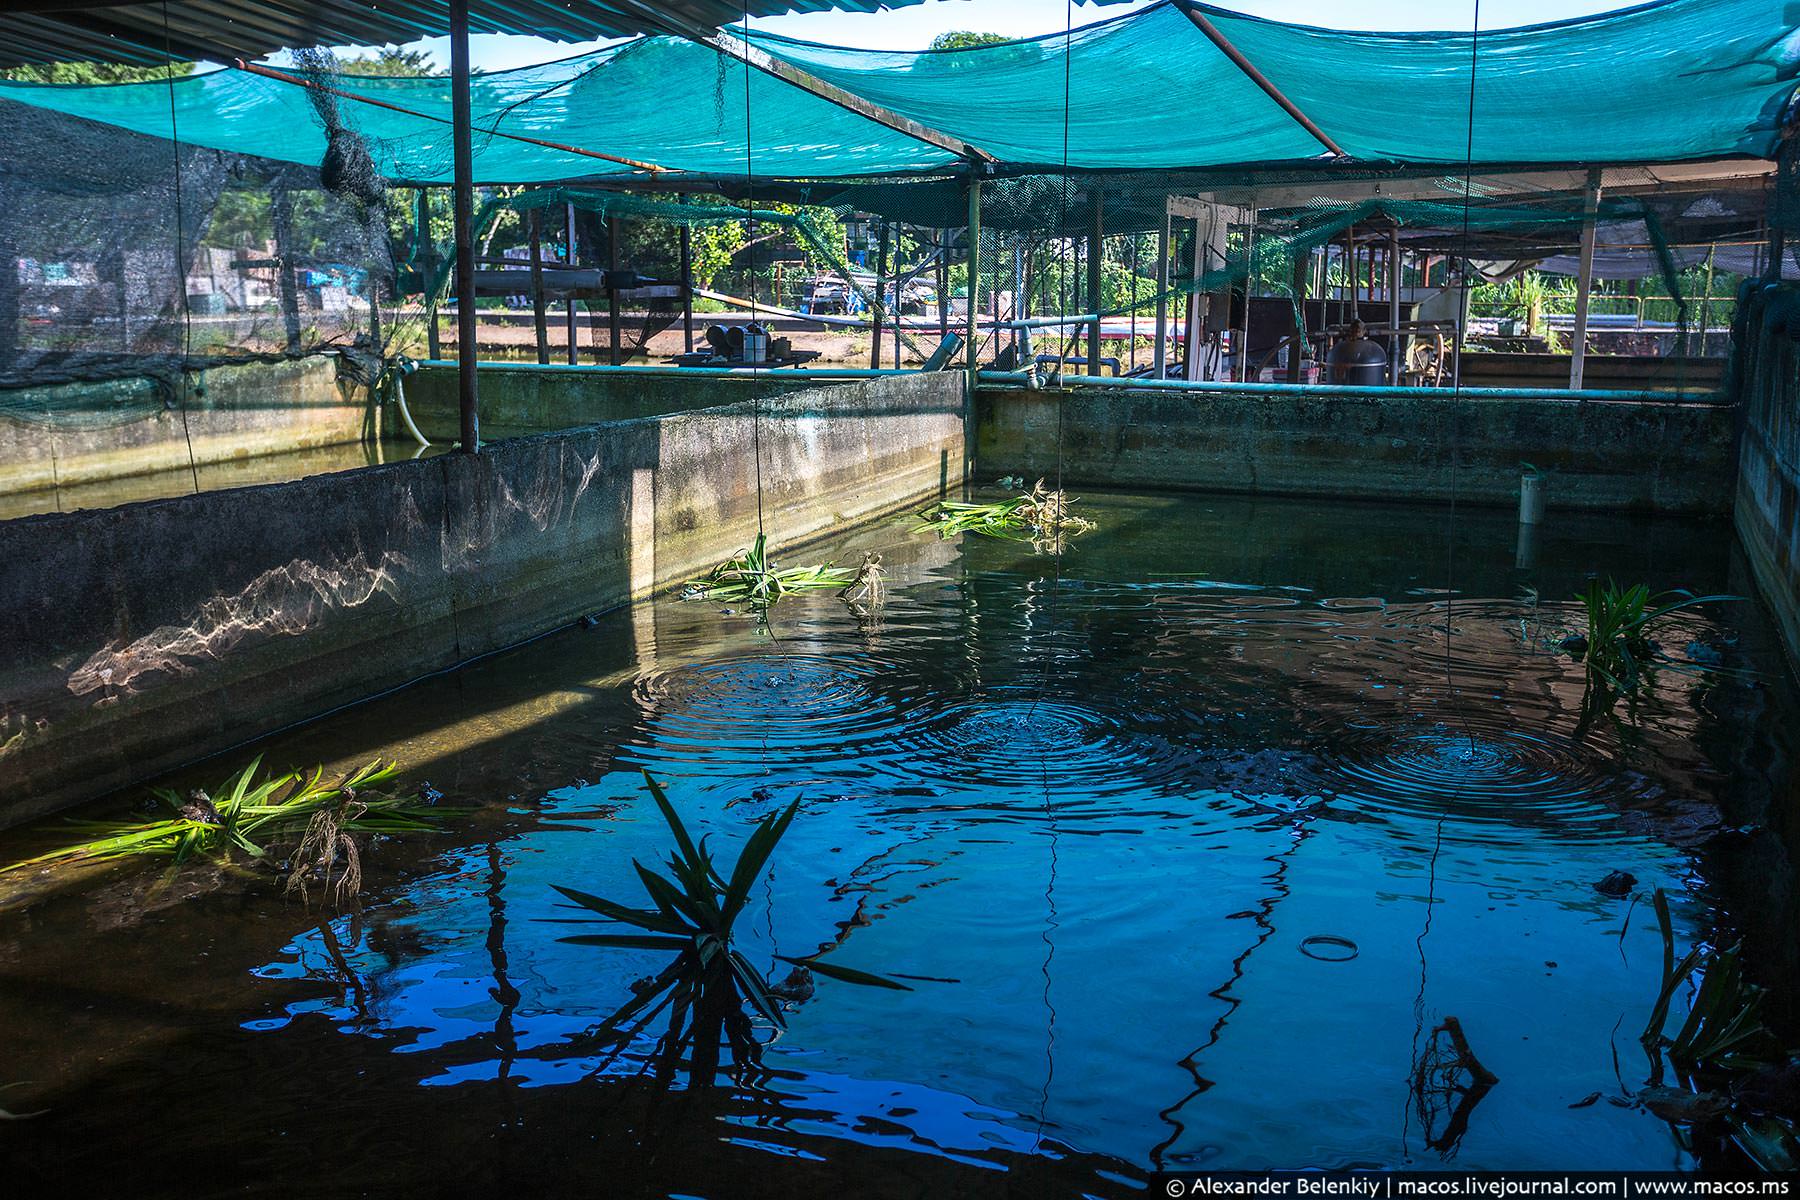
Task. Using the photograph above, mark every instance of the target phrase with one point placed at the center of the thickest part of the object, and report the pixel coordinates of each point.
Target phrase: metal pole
(1706, 298)
(1302, 269)
(1584, 280)
(464, 209)
(1095, 277)
(881, 268)
(1395, 355)
(539, 324)
(972, 350)
(943, 284)
(1249, 286)
(614, 326)
(282, 211)
(1160, 357)
(687, 284)
(574, 347)
(427, 269)
(1196, 302)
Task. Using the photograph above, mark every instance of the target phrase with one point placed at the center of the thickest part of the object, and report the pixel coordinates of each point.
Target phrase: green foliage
(963, 39)
(241, 816)
(1724, 1027)
(749, 577)
(1041, 517)
(392, 62)
(1619, 623)
(709, 989)
(94, 73)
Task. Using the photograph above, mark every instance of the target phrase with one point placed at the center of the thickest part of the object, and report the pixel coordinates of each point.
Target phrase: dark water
(1188, 843)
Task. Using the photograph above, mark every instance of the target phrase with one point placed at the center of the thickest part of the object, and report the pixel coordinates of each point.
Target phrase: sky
(913, 27)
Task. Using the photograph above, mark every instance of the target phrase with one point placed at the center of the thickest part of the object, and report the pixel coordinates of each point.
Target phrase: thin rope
(187, 316)
(750, 231)
(1449, 583)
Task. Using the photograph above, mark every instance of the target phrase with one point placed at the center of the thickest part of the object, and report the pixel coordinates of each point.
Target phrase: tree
(394, 62)
(964, 39)
(93, 73)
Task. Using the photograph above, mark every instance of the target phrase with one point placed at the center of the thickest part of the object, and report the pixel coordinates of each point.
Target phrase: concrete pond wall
(1599, 454)
(153, 634)
(522, 398)
(70, 434)
(1767, 513)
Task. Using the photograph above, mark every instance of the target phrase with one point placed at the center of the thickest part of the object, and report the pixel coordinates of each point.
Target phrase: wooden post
(1196, 302)
(881, 269)
(1584, 280)
(464, 207)
(943, 283)
(574, 347)
(1249, 286)
(1096, 277)
(535, 230)
(614, 326)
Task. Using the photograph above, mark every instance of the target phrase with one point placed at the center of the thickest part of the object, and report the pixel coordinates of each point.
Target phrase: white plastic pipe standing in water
(1531, 498)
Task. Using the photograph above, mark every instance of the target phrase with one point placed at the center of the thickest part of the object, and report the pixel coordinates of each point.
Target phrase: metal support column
(687, 284)
(973, 349)
(281, 210)
(1396, 344)
(880, 309)
(1584, 281)
(614, 325)
(1096, 276)
(463, 196)
(539, 323)
(1160, 356)
(574, 347)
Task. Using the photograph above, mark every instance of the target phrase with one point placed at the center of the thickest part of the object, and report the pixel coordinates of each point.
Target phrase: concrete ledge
(1660, 457)
(92, 432)
(154, 634)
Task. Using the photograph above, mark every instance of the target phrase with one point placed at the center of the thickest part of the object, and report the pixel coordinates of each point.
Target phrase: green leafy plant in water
(1042, 517)
(709, 989)
(1617, 645)
(750, 578)
(1721, 1043)
(243, 815)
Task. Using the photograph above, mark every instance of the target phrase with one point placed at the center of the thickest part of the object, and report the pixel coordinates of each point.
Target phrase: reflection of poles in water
(351, 984)
(503, 992)
(1278, 891)
(1051, 925)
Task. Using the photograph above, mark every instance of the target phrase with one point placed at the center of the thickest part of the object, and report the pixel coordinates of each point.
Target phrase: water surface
(1187, 842)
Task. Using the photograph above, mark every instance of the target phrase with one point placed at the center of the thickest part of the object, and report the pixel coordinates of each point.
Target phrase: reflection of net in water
(1448, 1082)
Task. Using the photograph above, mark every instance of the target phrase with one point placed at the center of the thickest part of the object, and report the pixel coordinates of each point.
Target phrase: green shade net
(1672, 81)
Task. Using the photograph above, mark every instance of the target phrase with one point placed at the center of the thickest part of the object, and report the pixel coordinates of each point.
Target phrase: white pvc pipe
(405, 415)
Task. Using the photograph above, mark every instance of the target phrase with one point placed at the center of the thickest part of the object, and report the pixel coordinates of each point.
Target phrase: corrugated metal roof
(39, 31)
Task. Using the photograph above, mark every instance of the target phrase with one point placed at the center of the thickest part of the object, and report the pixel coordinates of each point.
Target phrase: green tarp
(1670, 81)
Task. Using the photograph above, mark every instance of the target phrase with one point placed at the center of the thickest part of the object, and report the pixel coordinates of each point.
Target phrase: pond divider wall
(1768, 492)
(1642, 453)
(67, 434)
(153, 634)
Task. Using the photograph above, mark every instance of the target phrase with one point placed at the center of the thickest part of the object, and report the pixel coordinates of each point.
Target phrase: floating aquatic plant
(1042, 517)
(1617, 645)
(709, 989)
(244, 815)
(749, 577)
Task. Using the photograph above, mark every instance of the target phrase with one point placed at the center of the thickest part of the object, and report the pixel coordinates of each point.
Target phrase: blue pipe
(682, 372)
(1022, 379)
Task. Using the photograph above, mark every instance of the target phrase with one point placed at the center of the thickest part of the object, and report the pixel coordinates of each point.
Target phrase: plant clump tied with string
(1041, 517)
(244, 816)
(1736, 1079)
(751, 578)
(709, 989)
(1617, 646)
